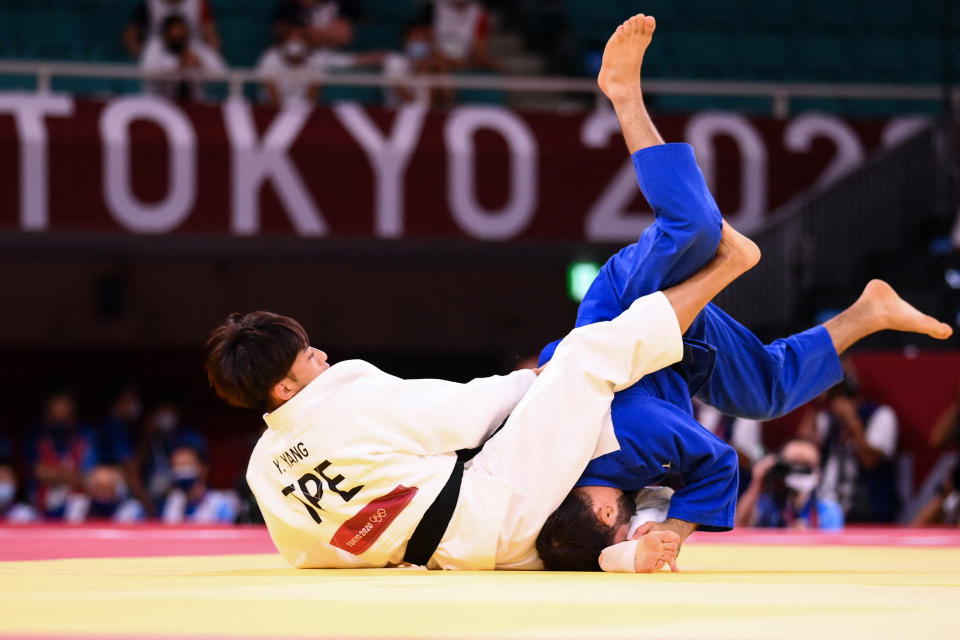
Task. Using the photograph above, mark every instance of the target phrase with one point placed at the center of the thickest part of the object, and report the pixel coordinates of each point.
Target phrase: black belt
(426, 537)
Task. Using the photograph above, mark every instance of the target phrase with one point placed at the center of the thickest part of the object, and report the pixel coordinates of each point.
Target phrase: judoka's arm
(758, 381)
(442, 416)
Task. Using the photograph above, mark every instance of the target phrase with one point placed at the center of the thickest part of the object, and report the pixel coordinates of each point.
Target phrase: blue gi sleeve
(682, 239)
(758, 381)
(658, 438)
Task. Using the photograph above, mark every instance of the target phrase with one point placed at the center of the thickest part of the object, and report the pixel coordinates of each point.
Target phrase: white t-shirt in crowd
(156, 57)
(275, 67)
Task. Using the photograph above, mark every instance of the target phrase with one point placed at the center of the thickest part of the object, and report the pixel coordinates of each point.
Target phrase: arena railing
(780, 93)
(824, 242)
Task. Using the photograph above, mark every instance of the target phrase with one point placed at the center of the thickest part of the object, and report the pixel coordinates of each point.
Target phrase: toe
(944, 331)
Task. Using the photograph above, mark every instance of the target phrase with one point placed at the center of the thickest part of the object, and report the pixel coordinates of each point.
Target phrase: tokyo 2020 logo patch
(358, 534)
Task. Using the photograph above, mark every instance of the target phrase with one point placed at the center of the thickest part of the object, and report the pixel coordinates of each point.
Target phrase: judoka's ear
(283, 391)
(606, 513)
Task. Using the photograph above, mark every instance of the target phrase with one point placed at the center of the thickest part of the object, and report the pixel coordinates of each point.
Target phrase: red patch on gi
(358, 534)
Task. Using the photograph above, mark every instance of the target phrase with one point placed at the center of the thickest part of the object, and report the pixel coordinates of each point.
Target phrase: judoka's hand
(680, 527)
(656, 549)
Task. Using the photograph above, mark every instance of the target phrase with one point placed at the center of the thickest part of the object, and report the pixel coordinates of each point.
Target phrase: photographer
(783, 492)
(858, 446)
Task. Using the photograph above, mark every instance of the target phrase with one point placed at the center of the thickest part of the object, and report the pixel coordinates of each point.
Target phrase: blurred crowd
(839, 467)
(129, 466)
(180, 38)
(142, 461)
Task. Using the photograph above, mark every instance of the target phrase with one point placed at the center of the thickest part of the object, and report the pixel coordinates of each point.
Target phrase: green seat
(396, 11)
(768, 17)
(717, 16)
(379, 37)
(831, 17)
(881, 60)
(705, 56)
(823, 58)
(668, 13)
(593, 22)
(764, 57)
(658, 61)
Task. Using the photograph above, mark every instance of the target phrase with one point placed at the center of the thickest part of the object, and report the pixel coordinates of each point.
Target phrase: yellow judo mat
(722, 591)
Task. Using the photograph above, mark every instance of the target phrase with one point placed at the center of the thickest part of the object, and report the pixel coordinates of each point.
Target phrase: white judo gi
(349, 465)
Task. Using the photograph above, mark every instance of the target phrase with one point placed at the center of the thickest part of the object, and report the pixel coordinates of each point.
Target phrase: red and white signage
(144, 165)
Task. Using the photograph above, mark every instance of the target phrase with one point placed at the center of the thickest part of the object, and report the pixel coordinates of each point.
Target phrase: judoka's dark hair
(573, 537)
(249, 353)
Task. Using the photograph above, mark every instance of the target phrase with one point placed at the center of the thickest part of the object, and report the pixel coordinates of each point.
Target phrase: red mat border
(51, 541)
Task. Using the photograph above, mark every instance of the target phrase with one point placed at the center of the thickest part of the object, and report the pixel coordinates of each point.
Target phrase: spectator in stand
(946, 430)
(12, 506)
(115, 435)
(783, 492)
(460, 31)
(418, 57)
(162, 433)
(61, 451)
(191, 500)
(944, 508)
(327, 24)
(176, 54)
(292, 54)
(858, 444)
(146, 24)
(106, 499)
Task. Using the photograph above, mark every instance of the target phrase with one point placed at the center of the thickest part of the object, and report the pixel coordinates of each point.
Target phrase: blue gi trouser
(725, 366)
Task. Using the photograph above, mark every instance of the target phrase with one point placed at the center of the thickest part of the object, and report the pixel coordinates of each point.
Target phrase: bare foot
(893, 312)
(619, 76)
(737, 249)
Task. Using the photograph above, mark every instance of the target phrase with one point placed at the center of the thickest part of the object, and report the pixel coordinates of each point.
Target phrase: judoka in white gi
(359, 468)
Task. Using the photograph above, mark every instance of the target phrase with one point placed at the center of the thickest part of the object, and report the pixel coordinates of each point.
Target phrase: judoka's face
(309, 364)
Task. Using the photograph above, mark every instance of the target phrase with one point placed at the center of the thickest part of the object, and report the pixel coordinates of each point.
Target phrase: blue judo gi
(724, 364)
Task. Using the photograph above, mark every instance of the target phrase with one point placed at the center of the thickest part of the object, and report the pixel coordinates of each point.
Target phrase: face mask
(165, 421)
(802, 482)
(418, 49)
(295, 49)
(177, 46)
(103, 508)
(7, 491)
(185, 478)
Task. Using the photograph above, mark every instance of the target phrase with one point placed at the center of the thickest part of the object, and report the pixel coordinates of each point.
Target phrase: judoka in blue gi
(724, 365)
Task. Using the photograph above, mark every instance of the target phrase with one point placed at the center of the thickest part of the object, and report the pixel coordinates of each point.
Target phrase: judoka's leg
(877, 309)
(760, 381)
(687, 226)
(550, 436)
